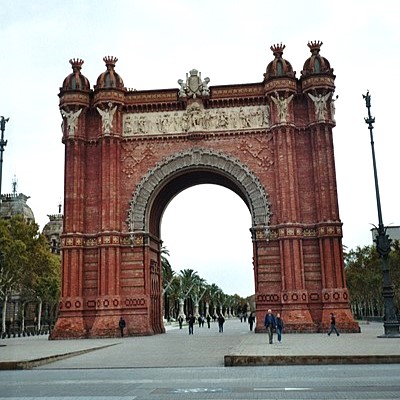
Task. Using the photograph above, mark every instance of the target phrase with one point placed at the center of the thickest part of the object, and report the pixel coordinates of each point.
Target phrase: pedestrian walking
(270, 325)
(251, 320)
(122, 325)
(333, 325)
(279, 327)
(208, 321)
(180, 321)
(221, 321)
(191, 322)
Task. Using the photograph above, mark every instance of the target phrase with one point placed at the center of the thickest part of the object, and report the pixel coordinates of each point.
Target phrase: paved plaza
(237, 346)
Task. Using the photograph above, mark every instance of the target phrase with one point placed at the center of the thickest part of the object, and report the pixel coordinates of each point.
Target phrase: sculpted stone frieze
(195, 118)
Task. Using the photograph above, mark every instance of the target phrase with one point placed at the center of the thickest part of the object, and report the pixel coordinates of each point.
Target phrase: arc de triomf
(129, 152)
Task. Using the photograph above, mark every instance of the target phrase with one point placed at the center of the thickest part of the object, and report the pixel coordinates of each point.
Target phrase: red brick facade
(127, 153)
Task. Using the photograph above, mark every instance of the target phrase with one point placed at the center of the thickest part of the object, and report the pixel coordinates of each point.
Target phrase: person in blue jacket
(279, 327)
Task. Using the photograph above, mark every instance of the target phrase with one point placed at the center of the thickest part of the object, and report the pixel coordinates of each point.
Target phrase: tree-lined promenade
(186, 293)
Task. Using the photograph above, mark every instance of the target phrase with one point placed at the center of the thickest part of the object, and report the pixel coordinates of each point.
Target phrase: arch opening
(179, 184)
(206, 228)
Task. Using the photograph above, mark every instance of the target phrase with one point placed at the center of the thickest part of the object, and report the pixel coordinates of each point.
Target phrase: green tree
(186, 292)
(212, 295)
(167, 272)
(394, 265)
(364, 278)
(43, 281)
(188, 279)
(26, 264)
(14, 258)
(167, 281)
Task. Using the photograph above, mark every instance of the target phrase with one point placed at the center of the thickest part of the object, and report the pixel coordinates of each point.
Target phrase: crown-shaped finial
(277, 50)
(110, 61)
(76, 63)
(315, 46)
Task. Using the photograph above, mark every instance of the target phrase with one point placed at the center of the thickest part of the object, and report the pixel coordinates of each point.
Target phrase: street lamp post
(391, 322)
(3, 143)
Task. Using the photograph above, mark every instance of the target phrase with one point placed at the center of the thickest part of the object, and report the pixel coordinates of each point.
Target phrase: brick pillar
(335, 297)
(294, 296)
(109, 250)
(70, 322)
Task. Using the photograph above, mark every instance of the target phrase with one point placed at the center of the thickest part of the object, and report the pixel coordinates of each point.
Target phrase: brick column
(70, 322)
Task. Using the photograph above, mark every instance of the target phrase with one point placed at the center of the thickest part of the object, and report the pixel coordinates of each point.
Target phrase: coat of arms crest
(194, 86)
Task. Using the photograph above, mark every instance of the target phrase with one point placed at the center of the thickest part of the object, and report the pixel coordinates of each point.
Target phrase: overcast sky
(157, 43)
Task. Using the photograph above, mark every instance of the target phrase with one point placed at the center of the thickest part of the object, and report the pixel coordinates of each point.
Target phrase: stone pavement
(237, 346)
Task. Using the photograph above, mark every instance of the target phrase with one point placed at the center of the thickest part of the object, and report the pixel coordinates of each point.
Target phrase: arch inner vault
(189, 168)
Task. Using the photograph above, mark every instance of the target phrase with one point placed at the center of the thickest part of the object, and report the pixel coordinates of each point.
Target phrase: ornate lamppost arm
(369, 121)
(3, 144)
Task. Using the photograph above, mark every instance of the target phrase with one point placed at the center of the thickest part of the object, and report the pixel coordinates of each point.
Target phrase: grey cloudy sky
(157, 42)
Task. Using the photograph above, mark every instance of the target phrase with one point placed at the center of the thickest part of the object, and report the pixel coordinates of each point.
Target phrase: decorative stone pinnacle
(110, 61)
(277, 49)
(76, 63)
(315, 46)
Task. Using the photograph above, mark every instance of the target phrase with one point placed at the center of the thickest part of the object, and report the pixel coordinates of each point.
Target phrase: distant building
(52, 230)
(392, 231)
(12, 204)
(15, 204)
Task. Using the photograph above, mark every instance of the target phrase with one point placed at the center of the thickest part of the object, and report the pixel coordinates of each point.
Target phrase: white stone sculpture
(266, 117)
(72, 120)
(195, 115)
(182, 90)
(107, 117)
(282, 104)
(206, 89)
(194, 86)
(333, 108)
(195, 118)
(244, 119)
(320, 105)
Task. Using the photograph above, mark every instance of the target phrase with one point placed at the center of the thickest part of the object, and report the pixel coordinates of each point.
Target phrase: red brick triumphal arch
(129, 152)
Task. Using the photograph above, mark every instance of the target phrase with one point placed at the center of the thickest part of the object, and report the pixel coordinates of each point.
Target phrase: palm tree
(199, 288)
(166, 266)
(167, 278)
(211, 293)
(221, 297)
(189, 278)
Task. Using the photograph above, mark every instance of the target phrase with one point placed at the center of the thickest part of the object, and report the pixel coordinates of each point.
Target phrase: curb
(29, 364)
(253, 361)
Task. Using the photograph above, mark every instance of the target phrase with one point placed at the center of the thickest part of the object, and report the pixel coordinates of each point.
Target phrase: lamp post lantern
(3, 143)
(391, 322)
